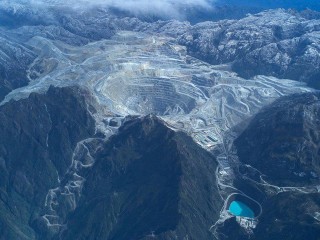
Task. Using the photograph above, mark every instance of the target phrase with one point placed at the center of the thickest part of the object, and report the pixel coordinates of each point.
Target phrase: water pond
(238, 208)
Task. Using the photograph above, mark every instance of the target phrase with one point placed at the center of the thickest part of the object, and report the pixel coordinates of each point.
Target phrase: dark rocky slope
(283, 141)
(290, 216)
(38, 136)
(14, 61)
(148, 179)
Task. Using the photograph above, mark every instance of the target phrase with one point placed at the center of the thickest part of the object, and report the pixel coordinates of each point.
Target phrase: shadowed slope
(148, 179)
(38, 135)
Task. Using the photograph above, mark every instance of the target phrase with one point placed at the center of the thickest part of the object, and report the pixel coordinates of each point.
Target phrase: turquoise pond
(238, 208)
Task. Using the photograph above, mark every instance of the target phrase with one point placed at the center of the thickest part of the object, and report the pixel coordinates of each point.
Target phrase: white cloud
(156, 7)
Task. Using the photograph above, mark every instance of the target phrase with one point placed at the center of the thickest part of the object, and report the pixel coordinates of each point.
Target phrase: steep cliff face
(38, 136)
(148, 181)
(282, 141)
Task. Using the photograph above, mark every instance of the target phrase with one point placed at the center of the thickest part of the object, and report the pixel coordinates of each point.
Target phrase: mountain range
(116, 126)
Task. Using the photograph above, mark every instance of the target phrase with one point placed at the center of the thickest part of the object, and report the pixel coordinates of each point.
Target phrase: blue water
(238, 208)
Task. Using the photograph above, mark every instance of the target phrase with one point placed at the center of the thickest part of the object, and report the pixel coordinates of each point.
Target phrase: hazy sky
(158, 7)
